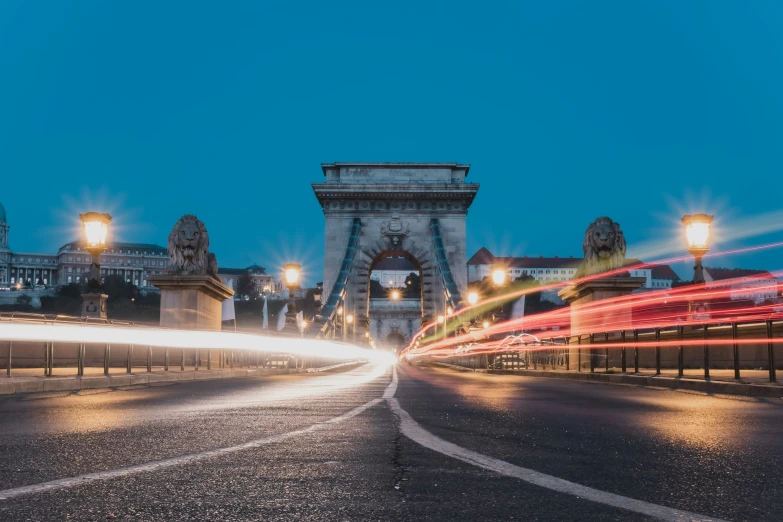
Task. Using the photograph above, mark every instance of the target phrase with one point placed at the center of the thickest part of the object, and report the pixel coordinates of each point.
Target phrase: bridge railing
(727, 346)
(19, 357)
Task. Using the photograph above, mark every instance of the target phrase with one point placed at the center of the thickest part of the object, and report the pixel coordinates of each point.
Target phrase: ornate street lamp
(291, 278)
(697, 231)
(96, 230)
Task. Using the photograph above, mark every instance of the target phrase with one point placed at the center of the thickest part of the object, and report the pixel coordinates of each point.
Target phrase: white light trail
(60, 333)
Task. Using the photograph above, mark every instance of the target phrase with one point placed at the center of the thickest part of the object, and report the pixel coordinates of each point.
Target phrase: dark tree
(377, 291)
(412, 288)
(70, 290)
(245, 286)
(24, 301)
(117, 288)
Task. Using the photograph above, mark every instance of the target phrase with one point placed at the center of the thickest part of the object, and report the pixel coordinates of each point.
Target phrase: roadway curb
(49, 384)
(674, 383)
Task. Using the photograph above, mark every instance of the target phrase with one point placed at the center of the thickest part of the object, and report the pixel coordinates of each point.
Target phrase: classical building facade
(548, 270)
(133, 262)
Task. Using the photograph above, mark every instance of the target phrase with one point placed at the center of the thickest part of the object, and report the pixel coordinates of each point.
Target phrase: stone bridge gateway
(377, 210)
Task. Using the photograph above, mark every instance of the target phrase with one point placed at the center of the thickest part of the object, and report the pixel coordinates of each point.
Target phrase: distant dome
(2, 213)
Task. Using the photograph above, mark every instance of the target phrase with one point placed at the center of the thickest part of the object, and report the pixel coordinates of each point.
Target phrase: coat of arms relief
(395, 229)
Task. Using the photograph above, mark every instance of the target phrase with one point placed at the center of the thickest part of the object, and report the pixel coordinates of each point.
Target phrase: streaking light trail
(661, 309)
(58, 333)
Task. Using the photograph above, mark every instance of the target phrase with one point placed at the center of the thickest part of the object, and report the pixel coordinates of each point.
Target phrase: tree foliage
(245, 286)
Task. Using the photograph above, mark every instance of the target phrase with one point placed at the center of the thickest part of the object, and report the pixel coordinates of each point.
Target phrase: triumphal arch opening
(395, 245)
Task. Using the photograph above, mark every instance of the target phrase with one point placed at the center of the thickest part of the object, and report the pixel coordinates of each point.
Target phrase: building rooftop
(73, 245)
(252, 270)
(664, 272)
(394, 165)
(720, 274)
(485, 257)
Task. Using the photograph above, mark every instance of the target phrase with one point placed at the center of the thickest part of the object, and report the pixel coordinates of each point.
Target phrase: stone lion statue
(189, 248)
(604, 248)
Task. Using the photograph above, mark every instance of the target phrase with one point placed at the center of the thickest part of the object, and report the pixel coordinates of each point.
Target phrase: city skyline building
(133, 262)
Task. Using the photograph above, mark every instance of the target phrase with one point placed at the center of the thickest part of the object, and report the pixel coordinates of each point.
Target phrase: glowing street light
(96, 231)
(473, 298)
(449, 310)
(441, 319)
(395, 295)
(486, 324)
(291, 272)
(498, 275)
(697, 232)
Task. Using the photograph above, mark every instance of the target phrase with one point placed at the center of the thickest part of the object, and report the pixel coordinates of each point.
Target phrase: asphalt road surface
(351, 445)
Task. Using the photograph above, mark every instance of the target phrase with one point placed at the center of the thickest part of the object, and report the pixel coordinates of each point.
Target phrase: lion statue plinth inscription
(604, 248)
(191, 291)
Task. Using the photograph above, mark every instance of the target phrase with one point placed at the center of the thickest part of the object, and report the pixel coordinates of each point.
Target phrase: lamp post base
(94, 305)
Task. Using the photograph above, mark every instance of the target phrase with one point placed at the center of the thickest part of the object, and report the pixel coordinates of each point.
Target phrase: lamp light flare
(697, 230)
(395, 295)
(291, 273)
(349, 318)
(96, 228)
(441, 319)
(449, 311)
(498, 276)
(473, 298)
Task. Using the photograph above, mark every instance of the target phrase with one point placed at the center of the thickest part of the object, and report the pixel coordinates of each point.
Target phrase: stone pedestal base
(189, 302)
(94, 305)
(584, 322)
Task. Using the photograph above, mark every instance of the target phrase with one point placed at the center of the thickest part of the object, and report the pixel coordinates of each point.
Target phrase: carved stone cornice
(409, 196)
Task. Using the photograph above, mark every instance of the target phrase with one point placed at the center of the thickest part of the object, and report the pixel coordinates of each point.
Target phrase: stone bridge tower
(377, 210)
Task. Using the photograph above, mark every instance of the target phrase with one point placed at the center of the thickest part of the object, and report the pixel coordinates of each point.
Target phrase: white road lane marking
(80, 480)
(413, 430)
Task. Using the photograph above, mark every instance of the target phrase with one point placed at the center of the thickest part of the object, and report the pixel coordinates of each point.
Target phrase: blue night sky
(566, 111)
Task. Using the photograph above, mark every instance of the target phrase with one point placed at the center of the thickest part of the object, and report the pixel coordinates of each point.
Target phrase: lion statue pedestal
(604, 248)
(191, 293)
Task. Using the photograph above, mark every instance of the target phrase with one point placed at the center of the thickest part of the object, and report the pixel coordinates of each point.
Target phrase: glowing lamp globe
(441, 319)
(96, 228)
(498, 276)
(697, 231)
(395, 295)
(486, 324)
(349, 318)
(473, 298)
(449, 311)
(291, 273)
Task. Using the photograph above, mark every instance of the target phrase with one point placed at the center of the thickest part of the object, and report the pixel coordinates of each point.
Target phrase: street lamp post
(96, 230)
(341, 313)
(291, 273)
(697, 232)
(349, 319)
